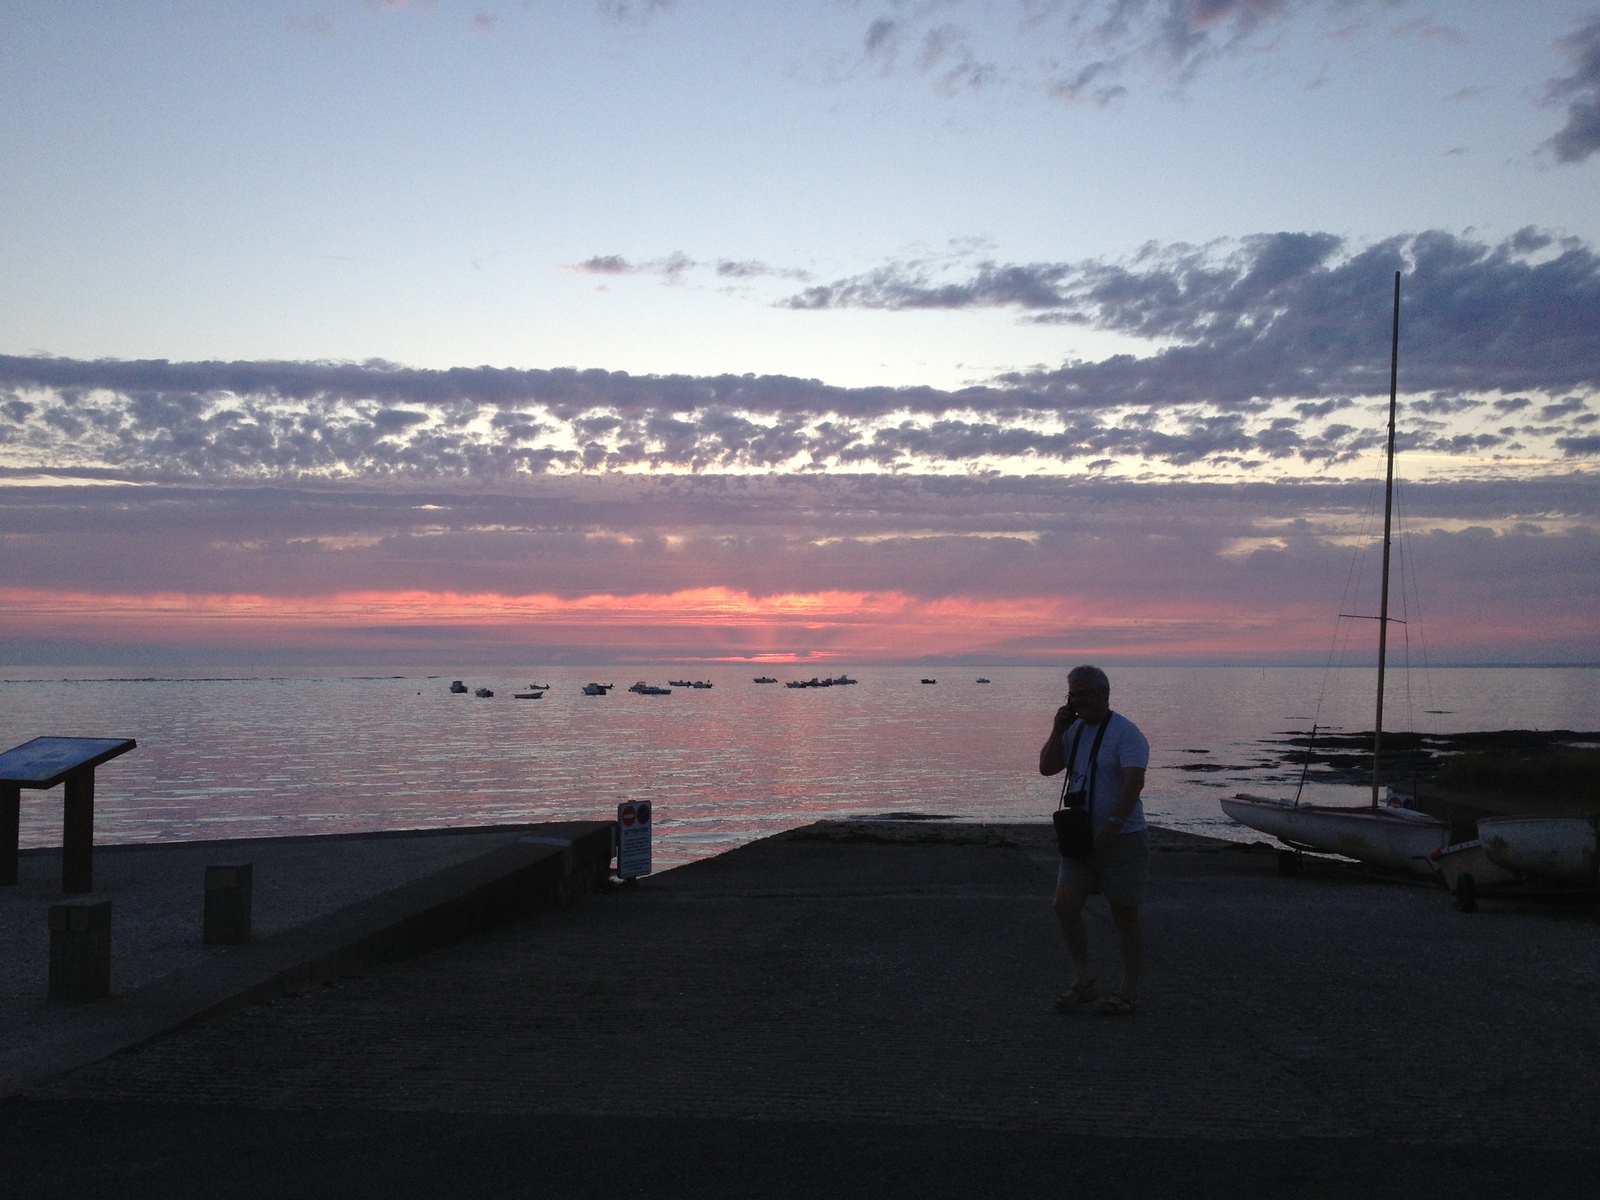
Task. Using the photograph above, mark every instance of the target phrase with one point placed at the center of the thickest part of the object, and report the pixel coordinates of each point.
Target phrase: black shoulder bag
(1074, 827)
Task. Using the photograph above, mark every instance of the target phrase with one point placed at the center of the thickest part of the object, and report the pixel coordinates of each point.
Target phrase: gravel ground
(866, 1010)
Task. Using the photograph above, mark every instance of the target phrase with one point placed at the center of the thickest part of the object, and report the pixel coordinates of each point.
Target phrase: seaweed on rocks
(1508, 764)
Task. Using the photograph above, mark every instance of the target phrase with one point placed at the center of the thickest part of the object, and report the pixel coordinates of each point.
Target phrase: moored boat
(1401, 839)
(483, 693)
(1465, 867)
(1386, 835)
(1551, 849)
(765, 679)
(458, 688)
(597, 689)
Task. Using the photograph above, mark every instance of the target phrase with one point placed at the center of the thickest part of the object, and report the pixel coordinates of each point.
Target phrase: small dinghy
(1562, 850)
(1401, 839)
(1382, 832)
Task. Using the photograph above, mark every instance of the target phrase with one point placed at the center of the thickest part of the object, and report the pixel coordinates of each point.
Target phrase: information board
(633, 839)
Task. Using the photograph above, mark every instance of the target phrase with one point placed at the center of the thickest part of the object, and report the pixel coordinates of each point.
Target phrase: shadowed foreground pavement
(812, 1016)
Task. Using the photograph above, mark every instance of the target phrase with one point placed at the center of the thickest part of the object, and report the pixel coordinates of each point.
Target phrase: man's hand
(1106, 836)
(1052, 757)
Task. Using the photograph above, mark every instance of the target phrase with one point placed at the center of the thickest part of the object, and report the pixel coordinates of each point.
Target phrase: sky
(655, 330)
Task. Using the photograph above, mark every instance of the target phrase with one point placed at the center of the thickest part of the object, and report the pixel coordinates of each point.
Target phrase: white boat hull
(1471, 859)
(1398, 838)
(1556, 849)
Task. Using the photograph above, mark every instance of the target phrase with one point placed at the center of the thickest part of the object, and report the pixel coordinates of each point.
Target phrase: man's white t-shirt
(1123, 746)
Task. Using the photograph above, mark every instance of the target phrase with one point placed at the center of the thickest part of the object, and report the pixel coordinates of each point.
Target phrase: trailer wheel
(1466, 894)
(1288, 862)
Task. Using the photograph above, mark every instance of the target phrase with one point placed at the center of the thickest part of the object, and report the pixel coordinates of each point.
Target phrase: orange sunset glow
(701, 622)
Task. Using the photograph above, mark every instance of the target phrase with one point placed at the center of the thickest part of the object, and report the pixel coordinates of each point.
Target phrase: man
(1120, 863)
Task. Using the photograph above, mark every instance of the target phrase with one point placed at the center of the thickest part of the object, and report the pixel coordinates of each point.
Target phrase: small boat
(795, 683)
(645, 689)
(765, 679)
(538, 687)
(527, 695)
(700, 685)
(679, 683)
(930, 681)
(597, 689)
(483, 693)
(458, 688)
(1465, 867)
(1385, 834)
(1401, 839)
(1549, 849)
(981, 679)
(842, 681)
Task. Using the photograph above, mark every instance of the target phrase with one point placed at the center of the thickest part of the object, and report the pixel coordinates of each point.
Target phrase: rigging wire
(1401, 543)
(1343, 627)
(1411, 600)
(1355, 578)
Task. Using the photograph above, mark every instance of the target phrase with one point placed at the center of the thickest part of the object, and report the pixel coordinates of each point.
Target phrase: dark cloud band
(1267, 346)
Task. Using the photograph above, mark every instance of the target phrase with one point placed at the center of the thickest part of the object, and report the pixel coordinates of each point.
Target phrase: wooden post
(80, 950)
(10, 824)
(226, 917)
(77, 833)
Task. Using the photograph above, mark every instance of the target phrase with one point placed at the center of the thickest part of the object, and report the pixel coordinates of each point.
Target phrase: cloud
(1587, 446)
(633, 12)
(1579, 89)
(671, 268)
(839, 566)
(675, 267)
(1086, 49)
(1259, 352)
(1286, 314)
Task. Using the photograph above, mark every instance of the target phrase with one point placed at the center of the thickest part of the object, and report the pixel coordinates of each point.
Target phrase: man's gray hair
(1092, 678)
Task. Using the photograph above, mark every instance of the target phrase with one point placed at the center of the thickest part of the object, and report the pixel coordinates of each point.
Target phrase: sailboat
(1384, 834)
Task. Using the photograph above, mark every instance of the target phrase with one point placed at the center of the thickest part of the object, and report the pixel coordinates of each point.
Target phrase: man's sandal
(1118, 1005)
(1075, 997)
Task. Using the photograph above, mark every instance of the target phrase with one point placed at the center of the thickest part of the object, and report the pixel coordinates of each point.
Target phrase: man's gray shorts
(1119, 872)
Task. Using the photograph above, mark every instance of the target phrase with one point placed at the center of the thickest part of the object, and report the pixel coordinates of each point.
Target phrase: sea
(236, 754)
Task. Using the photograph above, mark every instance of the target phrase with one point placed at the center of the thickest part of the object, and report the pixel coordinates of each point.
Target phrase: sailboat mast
(1388, 517)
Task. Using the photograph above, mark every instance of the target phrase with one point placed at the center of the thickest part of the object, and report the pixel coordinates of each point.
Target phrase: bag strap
(1072, 754)
(1094, 763)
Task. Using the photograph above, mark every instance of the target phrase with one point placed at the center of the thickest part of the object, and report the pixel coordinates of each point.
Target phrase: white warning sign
(633, 839)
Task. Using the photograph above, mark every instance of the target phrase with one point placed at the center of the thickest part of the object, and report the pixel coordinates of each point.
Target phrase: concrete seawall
(363, 900)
